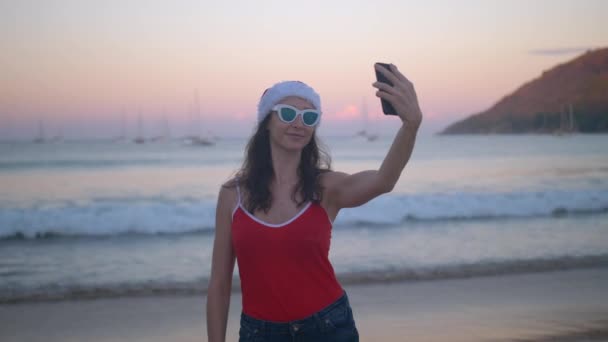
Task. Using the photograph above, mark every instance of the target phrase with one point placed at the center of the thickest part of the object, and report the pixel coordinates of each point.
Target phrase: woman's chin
(295, 145)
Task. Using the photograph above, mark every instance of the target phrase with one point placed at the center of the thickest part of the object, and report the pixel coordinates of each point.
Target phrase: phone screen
(387, 107)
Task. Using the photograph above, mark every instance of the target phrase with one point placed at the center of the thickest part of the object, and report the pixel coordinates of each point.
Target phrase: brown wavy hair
(256, 173)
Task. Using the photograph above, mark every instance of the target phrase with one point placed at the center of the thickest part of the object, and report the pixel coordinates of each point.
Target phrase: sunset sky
(83, 67)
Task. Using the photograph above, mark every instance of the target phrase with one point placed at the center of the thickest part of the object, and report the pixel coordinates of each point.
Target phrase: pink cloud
(347, 113)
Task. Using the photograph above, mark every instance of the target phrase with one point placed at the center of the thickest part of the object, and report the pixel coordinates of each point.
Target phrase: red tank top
(284, 268)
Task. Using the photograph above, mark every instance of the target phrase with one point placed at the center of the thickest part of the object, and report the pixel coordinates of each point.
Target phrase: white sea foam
(157, 215)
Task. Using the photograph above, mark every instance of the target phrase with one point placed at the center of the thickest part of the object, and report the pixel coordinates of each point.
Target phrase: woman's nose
(298, 121)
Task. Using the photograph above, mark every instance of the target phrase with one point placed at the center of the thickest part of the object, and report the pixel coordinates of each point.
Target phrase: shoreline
(569, 305)
(465, 271)
(406, 276)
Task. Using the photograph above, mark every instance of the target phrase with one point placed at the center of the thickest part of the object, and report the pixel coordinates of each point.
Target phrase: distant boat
(197, 139)
(123, 131)
(364, 133)
(140, 138)
(567, 123)
(165, 135)
(372, 137)
(57, 138)
(40, 139)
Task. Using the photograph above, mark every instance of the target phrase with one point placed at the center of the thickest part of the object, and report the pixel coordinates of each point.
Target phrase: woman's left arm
(347, 191)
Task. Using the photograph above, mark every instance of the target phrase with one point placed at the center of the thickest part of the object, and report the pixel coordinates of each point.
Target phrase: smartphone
(387, 107)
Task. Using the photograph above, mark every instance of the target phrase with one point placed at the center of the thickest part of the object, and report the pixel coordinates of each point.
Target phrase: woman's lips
(295, 135)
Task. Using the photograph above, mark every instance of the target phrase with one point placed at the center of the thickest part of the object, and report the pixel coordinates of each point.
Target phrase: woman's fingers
(388, 74)
(385, 87)
(387, 96)
(400, 82)
(401, 94)
(398, 73)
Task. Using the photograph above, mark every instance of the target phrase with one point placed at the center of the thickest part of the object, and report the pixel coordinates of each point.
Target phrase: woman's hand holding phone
(397, 94)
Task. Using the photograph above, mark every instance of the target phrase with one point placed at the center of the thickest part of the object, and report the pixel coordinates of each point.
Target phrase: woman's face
(291, 136)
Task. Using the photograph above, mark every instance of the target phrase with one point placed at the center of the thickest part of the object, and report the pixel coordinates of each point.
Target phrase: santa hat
(284, 89)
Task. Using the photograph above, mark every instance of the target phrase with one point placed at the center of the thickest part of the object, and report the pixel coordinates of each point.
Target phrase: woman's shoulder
(229, 192)
(232, 183)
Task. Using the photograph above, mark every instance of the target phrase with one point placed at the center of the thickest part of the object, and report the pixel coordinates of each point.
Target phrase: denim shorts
(333, 323)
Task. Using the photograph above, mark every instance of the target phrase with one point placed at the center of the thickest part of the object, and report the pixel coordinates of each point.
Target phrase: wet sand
(551, 306)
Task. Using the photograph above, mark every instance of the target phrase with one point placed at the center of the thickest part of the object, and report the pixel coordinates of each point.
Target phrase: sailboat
(196, 139)
(40, 139)
(165, 131)
(139, 139)
(567, 124)
(57, 138)
(123, 134)
(364, 133)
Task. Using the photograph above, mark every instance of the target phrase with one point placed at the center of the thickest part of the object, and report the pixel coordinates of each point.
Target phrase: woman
(275, 218)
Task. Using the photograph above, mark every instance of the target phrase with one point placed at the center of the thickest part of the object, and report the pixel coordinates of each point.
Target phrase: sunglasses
(288, 114)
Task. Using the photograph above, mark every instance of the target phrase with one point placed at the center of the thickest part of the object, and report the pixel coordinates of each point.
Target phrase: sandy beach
(551, 306)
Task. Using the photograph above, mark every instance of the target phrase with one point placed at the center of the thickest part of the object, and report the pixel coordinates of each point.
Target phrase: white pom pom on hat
(284, 89)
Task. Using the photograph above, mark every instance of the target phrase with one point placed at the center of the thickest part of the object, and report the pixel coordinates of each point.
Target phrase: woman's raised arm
(347, 191)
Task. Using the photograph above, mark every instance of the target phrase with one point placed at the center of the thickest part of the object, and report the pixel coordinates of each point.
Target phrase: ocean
(92, 219)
